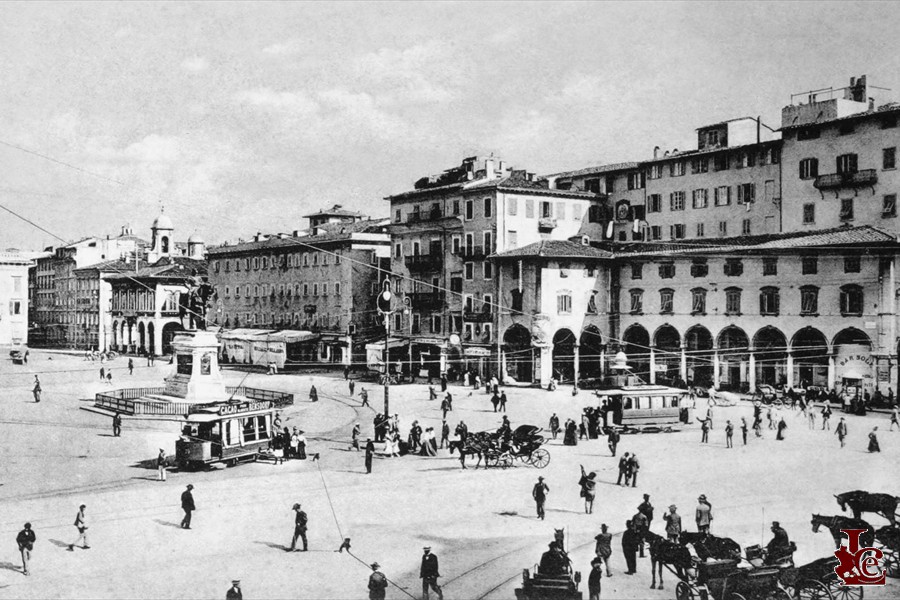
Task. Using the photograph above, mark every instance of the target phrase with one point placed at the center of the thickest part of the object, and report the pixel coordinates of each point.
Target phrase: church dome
(163, 222)
(195, 239)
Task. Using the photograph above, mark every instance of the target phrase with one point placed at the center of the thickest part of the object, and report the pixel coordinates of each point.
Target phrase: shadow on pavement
(168, 523)
(10, 567)
(59, 543)
(274, 546)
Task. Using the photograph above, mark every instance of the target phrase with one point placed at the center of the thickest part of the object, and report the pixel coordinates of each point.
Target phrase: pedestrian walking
(729, 433)
(757, 426)
(554, 425)
(704, 514)
(811, 417)
(449, 398)
(594, 579)
(445, 407)
(443, 382)
(632, 470)
(744, 429)
(895, 416)
(646, 509)
(429, 574)
(161, 465)
(503, 401)
(188, 506)
(131, 366)
(117, 425)
(364, 395)
(841, 431)
(603, 547)
(673, 523)
(354, 435)
(588, 489)
(26, 539)
(630, 542)
(102, 374)
(445, 434)
(770, 418)
(873, 441)
(539, 493)
(377, 583)
(234, 592)
(704, 427)
(109, 377)
(300, 523)
(826, 416)
(82, 527)
(37, 389)
(495, 400)
(352, 385)
(781, 427)
(612, 440)
(370, 453)
(347, 375)
(313, 394)
(623, 469)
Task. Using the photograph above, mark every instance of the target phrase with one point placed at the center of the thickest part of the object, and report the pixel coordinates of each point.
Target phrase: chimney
(502, 168)
(666, 153)
(551, 183)
(488, 169)
(655, 152)
(296, 233)
(258, 236)
(674, 150)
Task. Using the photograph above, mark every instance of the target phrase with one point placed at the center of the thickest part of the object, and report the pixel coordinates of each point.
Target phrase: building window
(809, 300)
(676, 201)
(732, 301)
(745, 227)
(456, 284)
(809, 265)
(699, 268)
(637, 301)
(512, 239)
(456, 244)
(699, 165)
(846, 209)
(746, 193)
(435, 324)
(315, 289)
(324, 289)
(723, 228)
(636, 181)
(654, 203)
(488, 208)
(470, 210)
(889, 206)
(808, 133)
(656, 232)
(456, 208)
(306, 289)
(676, 169)
(487, 269)
(698, 301)
(889, 158)
(655, 171)
(809, 168)
(851, 264)
(722, 195)
(769, 301)
(677, 231)
(846, 128)
(700, 230)
(560, 210)
(734, 267)
(529, 208)
(851, 300)
(809, 214)
(637, 270)
(470, 271)
(667, 270)
(398, 253)
(546, 209)
(720, 162)
(666, 301)
(889, 122)
(512, 206)
(564, 303)
(846, 164)
(700, 198)
(770, 266)
(592, 186)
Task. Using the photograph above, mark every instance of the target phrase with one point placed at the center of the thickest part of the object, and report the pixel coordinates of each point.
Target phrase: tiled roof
(425, 191)
(335, 211)
(518, 184)
(177, 266)
(881, 110)
(555, 249)
(335, 232)
(623, 166)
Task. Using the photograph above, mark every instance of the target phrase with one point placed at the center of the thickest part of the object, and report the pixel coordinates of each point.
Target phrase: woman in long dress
(588, 489)
(301, 446)
(873, 441)
(571, 436)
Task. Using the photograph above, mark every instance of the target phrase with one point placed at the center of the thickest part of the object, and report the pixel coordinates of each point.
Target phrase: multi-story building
(443, 230)
(322, 281)
(14, 298)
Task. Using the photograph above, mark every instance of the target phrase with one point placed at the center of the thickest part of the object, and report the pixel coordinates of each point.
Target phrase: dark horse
(710, 546)
(664, 552)
(478, 444)
(838, 522)
(860, 502)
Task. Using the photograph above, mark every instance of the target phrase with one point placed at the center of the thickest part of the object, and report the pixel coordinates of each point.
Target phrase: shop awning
(293, 336)
(851, 375)
(243, 334)
(393, 343)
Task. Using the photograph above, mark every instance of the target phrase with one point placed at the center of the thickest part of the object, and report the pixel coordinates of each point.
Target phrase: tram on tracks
(227, 433)
(645, 408)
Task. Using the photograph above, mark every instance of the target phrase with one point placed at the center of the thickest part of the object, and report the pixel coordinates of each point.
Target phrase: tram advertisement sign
(859, 566)
(233, 409)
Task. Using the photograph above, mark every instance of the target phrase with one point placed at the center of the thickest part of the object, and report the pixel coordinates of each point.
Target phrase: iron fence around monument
(138, 401)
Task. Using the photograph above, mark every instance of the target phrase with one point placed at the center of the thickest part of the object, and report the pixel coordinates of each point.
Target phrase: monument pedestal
(197, 378)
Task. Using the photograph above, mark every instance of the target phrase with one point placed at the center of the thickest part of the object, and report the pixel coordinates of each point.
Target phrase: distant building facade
(14, 298)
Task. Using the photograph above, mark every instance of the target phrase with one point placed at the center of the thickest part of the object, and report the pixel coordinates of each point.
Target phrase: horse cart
(524, 444)
(818, 581)
(724, 580)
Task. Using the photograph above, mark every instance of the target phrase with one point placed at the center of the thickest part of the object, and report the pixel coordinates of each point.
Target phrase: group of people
(287, 444)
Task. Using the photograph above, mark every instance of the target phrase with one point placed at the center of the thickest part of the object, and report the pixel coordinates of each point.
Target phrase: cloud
(425, 73)
(284, 48)
(123, 32)
(291, 102)
(195, 64)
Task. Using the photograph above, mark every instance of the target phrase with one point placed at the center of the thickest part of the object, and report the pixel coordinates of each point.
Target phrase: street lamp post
(383, 305)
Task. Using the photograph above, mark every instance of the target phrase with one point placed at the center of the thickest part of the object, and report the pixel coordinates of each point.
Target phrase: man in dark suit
(370, 453)
(187, 505)
(429, 574)
(300, 521)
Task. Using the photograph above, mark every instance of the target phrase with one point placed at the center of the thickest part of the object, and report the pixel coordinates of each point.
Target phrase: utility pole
(383, 305)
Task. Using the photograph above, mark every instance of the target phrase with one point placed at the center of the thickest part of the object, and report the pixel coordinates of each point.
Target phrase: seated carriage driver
(780, 547)
(554, 561)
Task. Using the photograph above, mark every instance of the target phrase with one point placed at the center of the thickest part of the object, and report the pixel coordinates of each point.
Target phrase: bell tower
(162, 242)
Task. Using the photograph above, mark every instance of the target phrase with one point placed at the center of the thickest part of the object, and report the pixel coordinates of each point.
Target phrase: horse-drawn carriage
(500, 449)
(553, 578)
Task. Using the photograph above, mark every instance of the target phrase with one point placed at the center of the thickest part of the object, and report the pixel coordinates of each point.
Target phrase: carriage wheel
(813, 590)
(839, 591)
(504, 461)
(540, 458)
(777, 403)
(684, 591)
(777, 593)
(892, 563)
(491, 460)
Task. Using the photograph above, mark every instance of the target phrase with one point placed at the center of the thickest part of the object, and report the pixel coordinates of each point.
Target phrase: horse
(478, 444)
(860, 501)
(559, 536)
(665, 552)
(838, 522)
(710, 546)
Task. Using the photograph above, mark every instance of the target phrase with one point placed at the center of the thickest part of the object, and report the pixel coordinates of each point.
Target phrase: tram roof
(634, 390)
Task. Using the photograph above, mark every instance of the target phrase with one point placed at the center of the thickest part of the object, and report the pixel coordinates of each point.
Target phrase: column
(546, 365)
(443, 359)
(751, 375)
(716, 366)
(683, 370)
(575, 364)
(790, 370)
(830, 371)
(503, 371)
(602, 361)
(652, 377)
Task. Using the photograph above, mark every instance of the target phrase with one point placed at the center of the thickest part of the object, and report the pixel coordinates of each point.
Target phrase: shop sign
(477, 352)
(233, 409)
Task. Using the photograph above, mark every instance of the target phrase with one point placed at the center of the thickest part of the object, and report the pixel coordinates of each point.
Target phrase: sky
(244, 117)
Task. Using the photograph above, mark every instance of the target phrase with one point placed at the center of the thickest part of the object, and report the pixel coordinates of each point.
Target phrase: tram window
(262, 432)
(657, 402)
(249, 430)
(629, 403)
(229, 432)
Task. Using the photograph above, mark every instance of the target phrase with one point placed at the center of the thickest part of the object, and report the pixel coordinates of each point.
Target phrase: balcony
(546, 224)
(472, 252)
(425, 262)
(484, 316)
(866, 177)
(419, 217)
(426, 300)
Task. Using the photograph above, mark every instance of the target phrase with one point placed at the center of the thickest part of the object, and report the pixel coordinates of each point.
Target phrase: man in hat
(161, 465)
(841, 431)
(370, 453)
(377, 583)
(354, 435)
(429, 573)
(234, 592)
(623, 469)
(187, 505)
(673, 523)
(779, 547)
(630, 543)
(595, 578)
(603, 548)
(631, 471)
(82, 527)
(704, 514)
(729, 433)
(539, 493)
(26, 540)
(37, 389)
(300, 521)
(553, 561)
(641, 525)
(647, 509)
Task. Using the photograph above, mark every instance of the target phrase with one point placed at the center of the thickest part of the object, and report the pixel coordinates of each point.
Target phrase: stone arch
(589, 352)
(151, 336)
(667, 348)
(734, 359)
(169, 331)
(636, 346)
(115, 335)
(770, 351)
(564, 354)
(810, 351)
(698, 343)
(519, 353)
(142, 337)
(854, 363)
